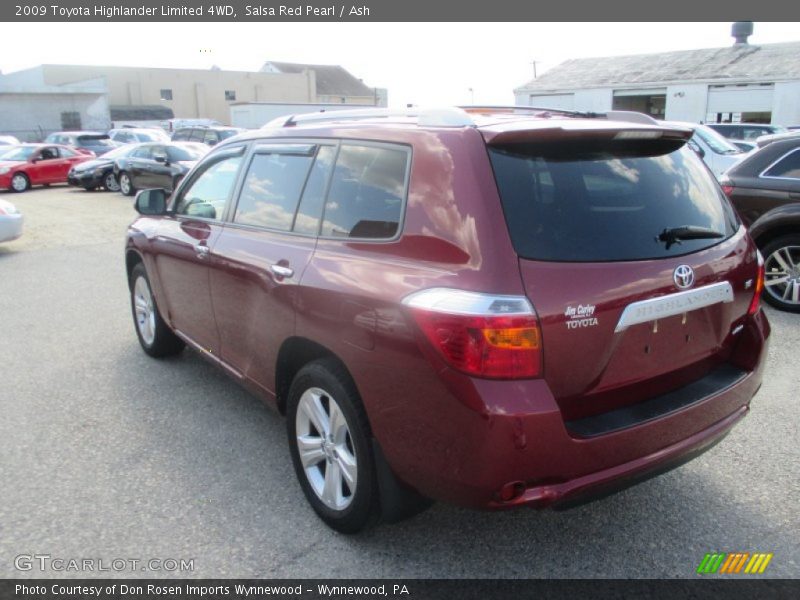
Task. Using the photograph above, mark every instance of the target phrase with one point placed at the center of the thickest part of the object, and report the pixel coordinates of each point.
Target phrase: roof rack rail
(426, 117)
(514, 108)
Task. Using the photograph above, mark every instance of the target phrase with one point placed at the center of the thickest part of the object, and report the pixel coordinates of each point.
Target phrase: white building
(741, 83)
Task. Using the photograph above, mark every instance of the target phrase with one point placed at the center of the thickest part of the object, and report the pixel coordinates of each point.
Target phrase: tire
(110, 182)
(347, 503)
(155, 336)
(782, 273)
(20, 183)
(126, 185)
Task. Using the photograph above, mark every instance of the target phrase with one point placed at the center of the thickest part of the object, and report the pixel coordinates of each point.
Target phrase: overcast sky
(420, 63)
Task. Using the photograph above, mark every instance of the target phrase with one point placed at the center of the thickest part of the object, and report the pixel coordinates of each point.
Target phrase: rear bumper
(11, 227)
(474, 440)
(608, 481)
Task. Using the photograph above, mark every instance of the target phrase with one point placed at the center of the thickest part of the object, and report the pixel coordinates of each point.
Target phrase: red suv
(493, 308)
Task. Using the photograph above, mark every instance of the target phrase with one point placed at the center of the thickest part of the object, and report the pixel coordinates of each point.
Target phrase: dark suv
(493, 308)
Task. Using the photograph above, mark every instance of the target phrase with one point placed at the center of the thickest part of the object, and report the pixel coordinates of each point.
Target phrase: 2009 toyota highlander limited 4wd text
(489, 307)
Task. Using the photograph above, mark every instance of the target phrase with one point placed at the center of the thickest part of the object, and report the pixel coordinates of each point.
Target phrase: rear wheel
(20, 182)
(155, 336)
(110, 182)
(330, 444)
(782, 273)
(126, 185)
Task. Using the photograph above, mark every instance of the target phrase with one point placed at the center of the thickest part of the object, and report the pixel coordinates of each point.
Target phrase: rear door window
(788, 166)
(585, 202)
(367, 192)
(273, 185)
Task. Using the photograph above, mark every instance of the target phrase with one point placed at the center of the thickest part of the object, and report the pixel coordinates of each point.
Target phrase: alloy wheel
(782, 274)
(110, 182)
(145, 311)
(19, 182)
(326, 448)
(125, 184)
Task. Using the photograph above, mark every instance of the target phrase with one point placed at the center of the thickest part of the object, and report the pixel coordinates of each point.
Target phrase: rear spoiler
(518, 132)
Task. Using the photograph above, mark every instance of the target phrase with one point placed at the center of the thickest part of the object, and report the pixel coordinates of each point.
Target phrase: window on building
(230, 95)
(166, 94)
(70, 120)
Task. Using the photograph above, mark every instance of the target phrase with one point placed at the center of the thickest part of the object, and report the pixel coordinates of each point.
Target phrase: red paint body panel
(42, 171)
(450, 436)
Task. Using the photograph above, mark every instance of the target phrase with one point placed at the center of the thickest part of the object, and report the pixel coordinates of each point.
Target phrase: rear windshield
(584, 203)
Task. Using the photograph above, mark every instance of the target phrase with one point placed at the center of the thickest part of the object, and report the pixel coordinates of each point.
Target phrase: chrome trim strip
(674, 304)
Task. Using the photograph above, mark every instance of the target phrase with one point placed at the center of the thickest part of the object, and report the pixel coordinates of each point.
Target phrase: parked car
(493, 310)
(777, 137)
(210, 136)
(36, 164)
(718, 153)
(130, 135)
(745, 131)
(765, 189)
(8, 140)
(84, 141)
(156, 165)
(99, 172)
(11, 221)
(172, 125)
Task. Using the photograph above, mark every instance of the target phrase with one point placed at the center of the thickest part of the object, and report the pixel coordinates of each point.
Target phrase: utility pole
(534, 68)
(472, 96)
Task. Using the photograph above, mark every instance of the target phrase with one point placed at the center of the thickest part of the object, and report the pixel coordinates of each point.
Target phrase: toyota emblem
(683, 277)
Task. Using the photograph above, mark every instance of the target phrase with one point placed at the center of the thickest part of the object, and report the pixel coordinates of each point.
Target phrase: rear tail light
(727, 189)
(485, 335)
(755, 303)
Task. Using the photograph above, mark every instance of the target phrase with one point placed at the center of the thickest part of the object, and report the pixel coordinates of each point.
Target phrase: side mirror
(151, 202)
(161, 158)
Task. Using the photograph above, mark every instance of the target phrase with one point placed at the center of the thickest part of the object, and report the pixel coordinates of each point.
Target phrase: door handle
(202, 250)
(282, 271)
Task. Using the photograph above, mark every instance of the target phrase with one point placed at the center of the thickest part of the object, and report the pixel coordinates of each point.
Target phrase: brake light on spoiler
(485, 335)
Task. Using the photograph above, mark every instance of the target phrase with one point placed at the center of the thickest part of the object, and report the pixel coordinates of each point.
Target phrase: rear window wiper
(674, 235)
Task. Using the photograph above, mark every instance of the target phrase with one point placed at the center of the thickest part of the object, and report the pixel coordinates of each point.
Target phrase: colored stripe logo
(734, 563)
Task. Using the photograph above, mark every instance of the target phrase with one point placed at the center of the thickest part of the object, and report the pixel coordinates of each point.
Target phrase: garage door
(739, 99)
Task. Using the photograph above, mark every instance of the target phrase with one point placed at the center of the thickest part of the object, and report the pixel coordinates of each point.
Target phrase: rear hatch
(627, 311)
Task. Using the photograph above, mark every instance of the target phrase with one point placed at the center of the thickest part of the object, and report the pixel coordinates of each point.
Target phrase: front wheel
(330, 444)
(126, 185)
(782, 273)
(20, 182)
(110, 182)
(155, 336)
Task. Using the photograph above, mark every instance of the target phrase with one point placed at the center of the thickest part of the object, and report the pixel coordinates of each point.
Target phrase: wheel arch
(296, 352)
(132, 258)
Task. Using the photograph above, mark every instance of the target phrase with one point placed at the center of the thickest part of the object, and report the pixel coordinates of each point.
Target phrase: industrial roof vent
(741, 30)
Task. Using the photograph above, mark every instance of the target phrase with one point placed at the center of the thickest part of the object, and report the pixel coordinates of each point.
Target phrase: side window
(272, 190)
(209, 191)
(66, 153)
(308, 213)
(367, 192)
(49, 153)
(181, 135)
(788, 166)
(143, 152)
(197, 135)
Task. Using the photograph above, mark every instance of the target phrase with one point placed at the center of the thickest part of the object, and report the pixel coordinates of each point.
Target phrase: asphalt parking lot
(106, 453)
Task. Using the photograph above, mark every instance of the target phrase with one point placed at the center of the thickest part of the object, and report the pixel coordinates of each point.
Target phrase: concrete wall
(593, 100)
(786, 103)
(30, 117)
(254, 116)
(195, 93)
